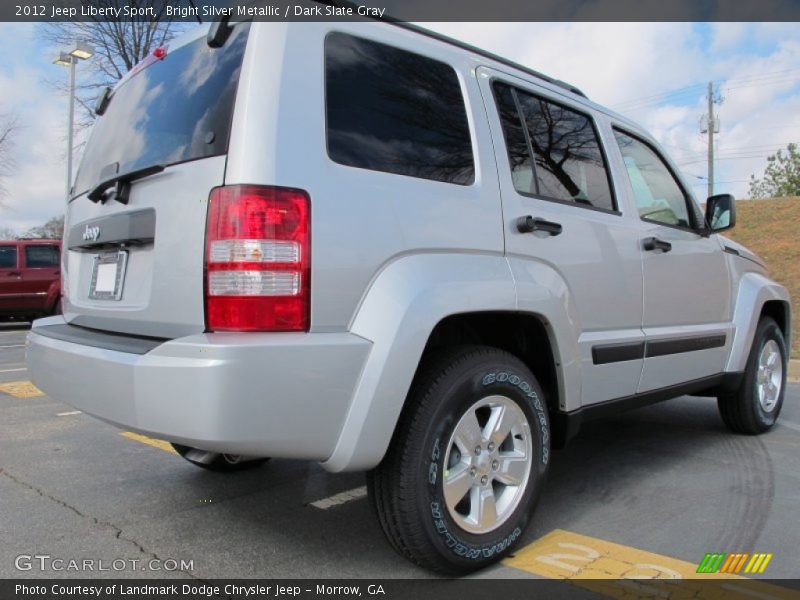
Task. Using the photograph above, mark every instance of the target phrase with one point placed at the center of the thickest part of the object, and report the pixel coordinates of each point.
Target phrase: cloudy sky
(655, 73)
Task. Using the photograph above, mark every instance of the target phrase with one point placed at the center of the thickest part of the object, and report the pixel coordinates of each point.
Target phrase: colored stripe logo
(734, 563)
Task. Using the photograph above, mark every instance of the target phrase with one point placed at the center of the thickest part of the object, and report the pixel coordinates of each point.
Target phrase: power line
(694, 162)
(769, 78)
(734, 151)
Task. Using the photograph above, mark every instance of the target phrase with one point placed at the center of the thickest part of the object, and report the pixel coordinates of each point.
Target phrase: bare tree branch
(119, 47)
(9, 125)
(52, 229)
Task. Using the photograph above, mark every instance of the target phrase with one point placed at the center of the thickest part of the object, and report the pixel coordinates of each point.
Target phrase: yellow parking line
(21, 389)
(619, 571)
(160, 444)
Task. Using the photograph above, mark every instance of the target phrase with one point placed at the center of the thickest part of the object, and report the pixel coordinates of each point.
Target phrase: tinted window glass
(519, 155)
(569, 164)
(658, 196)
(41, 256)
(173, 110)
(395, 111)
(8, 257)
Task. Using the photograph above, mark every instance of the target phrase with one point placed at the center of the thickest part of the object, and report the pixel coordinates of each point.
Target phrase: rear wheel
(467, 463)
(216, 461)
(755, 406)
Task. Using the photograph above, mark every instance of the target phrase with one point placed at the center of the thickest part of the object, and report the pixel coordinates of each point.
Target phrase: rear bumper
(280, 395)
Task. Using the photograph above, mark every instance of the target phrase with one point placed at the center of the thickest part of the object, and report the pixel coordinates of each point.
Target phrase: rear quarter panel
(362, 220)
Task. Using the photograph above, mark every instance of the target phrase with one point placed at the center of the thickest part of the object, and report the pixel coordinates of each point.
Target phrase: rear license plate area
(108, 275)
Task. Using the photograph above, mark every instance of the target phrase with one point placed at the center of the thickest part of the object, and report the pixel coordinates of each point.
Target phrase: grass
(771, 229)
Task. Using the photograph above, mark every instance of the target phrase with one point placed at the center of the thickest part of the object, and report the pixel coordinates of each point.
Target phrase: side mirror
(720, 213)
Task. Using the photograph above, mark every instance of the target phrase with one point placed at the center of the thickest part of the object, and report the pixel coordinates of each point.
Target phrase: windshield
(174, 110)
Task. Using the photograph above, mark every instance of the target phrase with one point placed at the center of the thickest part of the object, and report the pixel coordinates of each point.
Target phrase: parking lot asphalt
(650, 492)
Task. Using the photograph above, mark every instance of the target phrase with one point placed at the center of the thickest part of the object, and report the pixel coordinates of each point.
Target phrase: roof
(459, 44)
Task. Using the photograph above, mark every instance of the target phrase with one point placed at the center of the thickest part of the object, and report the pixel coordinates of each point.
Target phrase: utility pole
(710, 126)
(709, 123)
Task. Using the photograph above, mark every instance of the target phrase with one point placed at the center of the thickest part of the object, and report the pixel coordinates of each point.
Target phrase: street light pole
(70, 124)
(79, 51)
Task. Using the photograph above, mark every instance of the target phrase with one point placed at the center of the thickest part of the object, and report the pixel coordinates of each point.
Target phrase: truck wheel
(215, 461)
(755, 406)
(467, 462)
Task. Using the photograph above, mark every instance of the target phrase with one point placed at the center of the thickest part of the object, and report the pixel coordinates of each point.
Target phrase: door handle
(653, 243)
(528, 224)
(14, 274)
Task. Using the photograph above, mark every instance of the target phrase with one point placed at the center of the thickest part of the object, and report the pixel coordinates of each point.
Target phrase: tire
(755, 406)
(462, 386)
(214, 461)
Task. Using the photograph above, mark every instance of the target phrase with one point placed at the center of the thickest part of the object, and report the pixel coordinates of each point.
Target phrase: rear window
(41, 256)
(395, 111)
(8, 257)
(174, 110)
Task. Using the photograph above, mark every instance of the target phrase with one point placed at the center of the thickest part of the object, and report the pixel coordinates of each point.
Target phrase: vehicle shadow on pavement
(670, 474)
(668, 478)
(640, 478)
(14, 326)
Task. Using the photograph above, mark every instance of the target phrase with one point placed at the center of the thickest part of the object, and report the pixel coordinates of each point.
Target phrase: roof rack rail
(463, 45)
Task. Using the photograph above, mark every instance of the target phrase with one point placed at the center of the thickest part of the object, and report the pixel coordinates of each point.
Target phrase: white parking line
(14, 346)
(69, 413)
(13, 370)
(341, 498)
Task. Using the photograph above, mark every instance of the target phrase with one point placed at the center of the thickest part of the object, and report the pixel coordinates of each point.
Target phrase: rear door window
(554, 151)
(41, 256)
(395, 111)
(8, 257)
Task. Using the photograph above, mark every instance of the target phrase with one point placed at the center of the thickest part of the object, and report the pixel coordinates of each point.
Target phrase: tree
(53, 229)
(119, 46)
(8, 128)
(7, 233)
(781, 177)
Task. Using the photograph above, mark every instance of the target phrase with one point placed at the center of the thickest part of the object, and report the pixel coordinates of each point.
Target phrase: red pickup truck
(30, 278)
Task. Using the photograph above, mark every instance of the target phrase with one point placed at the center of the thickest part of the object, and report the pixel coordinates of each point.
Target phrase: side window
(395, 111)
(554, 151)
(41, 256)
(8, 257)
(659, 198)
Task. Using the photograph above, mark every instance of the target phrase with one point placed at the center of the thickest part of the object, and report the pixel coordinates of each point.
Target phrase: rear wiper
(103, 101)
(122, 184)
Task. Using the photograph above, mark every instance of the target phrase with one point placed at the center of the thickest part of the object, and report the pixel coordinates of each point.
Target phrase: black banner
(408, 589)
(403, 10)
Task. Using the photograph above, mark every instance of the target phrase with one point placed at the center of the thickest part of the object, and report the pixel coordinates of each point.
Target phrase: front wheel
(215, 461)
(755, 406)
(467, 463)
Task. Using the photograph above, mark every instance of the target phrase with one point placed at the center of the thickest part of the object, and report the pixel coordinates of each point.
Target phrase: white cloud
(725, 36)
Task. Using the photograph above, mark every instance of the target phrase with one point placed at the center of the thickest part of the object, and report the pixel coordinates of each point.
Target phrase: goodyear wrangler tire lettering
(504, 452)
(526, 389)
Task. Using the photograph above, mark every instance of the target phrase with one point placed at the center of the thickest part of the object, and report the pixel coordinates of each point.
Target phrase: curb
(794, 370)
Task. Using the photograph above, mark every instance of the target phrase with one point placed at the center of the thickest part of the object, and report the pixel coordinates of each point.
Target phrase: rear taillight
(258, 247)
